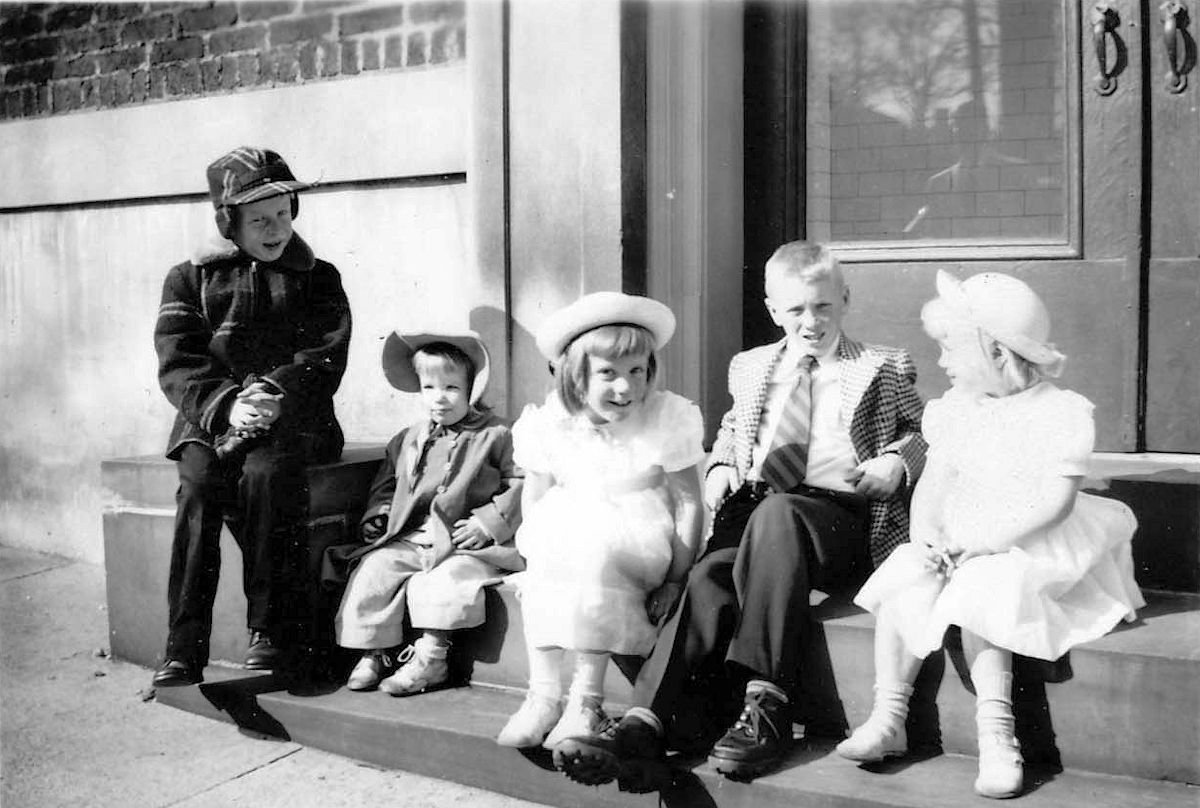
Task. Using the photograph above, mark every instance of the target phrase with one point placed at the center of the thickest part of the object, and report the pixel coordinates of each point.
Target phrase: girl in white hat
(1002, 543)
(611, 507)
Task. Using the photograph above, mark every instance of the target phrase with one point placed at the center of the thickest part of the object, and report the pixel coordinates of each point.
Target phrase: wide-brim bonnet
(599, 309)
(399, 348)
(1006, 309)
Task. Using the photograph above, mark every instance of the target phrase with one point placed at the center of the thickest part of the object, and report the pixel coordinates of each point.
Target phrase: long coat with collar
(879, 402)
(226, 316)
(484, 483)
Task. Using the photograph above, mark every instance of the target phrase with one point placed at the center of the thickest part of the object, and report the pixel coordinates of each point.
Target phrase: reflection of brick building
(930, 142)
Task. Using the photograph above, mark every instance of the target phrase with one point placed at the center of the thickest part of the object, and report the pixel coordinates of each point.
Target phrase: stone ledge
(1158, 467)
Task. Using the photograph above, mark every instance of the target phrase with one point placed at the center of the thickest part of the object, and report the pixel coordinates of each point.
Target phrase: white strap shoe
(371, 667)
(874, 741)
(528, 725)
(1001, 767)
(581, 718)
(418, 672)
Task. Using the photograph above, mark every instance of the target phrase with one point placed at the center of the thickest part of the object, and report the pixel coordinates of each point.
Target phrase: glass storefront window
(937, 122)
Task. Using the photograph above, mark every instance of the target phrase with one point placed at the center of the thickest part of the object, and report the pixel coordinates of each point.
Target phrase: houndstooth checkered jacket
(879, 401)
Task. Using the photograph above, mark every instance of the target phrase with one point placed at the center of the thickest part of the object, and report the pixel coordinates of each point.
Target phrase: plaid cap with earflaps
(247, 174)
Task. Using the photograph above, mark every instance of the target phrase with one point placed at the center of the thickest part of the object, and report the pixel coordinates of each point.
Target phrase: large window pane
(936, 120)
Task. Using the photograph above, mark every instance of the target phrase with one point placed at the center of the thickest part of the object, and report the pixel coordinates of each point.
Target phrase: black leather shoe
(177, 673)
(757, 741)
(263, 654)
(597, 758)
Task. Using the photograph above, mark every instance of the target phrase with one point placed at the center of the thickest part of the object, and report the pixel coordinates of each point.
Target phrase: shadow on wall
(493, 325)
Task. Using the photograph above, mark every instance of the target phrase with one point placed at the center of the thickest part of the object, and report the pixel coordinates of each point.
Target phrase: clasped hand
(255, 407)
(943, 557)
(663, 600)
(374, 527)
(470, 534)
(878, 477)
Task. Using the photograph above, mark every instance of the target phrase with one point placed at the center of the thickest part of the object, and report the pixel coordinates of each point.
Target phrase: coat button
(441, 489)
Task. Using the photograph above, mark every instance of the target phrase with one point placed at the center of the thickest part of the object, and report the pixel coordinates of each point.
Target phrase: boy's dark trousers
(745, 613)
(263, 496)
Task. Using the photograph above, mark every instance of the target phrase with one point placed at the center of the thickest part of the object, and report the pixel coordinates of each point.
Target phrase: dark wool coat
(481, 481)
(226, 316)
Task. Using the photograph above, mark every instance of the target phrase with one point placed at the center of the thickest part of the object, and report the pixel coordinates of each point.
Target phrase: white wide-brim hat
(399, 348)
(1007, 310)
(604, 308)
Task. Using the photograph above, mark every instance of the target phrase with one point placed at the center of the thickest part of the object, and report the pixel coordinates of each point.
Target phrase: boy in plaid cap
(252, 337)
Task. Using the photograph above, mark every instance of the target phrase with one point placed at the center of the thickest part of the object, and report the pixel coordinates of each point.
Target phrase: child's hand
(663, 600)
(937, 557)
(470, 534)
(717, 485)
(959, 556)
(374, 527)
(244, 414)
(879, 477)
(267, 403)
(938, 561)
(255, 407)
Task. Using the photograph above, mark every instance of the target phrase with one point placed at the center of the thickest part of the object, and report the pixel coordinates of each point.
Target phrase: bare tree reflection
(936, 118)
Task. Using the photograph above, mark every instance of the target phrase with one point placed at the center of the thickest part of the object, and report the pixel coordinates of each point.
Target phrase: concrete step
(1132, 706)
(138, 532)
(149, 481)
(449, 734)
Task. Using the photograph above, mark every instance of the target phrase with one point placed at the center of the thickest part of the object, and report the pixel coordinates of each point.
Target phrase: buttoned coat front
(879, 402)
(226, 316)
(482, 482)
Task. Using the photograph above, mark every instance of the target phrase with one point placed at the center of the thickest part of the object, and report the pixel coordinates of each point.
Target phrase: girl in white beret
(611, 507)
(1002, 543)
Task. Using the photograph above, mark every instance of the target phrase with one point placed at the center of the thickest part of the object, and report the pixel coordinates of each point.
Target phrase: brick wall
(58, 58)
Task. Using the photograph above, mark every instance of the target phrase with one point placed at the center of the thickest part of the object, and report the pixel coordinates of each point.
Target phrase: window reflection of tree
(930, 69)
(903, 58)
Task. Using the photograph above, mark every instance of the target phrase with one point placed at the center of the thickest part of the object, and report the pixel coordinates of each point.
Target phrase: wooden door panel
(1095, 307)
(1173, 371)
(1173, 271)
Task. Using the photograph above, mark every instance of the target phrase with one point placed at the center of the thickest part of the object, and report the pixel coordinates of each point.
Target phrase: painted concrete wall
(565, 165)
(96, 208)
(80, 293)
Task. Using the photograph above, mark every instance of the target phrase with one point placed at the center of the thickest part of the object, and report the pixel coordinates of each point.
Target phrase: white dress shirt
(830, 451)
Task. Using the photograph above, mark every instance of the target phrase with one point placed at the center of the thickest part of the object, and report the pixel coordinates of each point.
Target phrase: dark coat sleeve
(502, 514)
(196, 383)
(383, 487)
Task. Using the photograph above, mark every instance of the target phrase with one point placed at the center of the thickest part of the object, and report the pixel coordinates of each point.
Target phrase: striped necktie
(783, 467)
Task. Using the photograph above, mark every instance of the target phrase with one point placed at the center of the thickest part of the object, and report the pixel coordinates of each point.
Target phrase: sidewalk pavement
(80, 729)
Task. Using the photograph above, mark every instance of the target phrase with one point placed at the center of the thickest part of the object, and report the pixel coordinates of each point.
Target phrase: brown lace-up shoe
(757, 741)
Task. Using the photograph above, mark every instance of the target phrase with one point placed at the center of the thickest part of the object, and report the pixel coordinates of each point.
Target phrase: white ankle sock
(647, 717)
(545, 672)
(764, 686)
(993, 705)
(588, 681)
(431, 646)
(891, 704)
